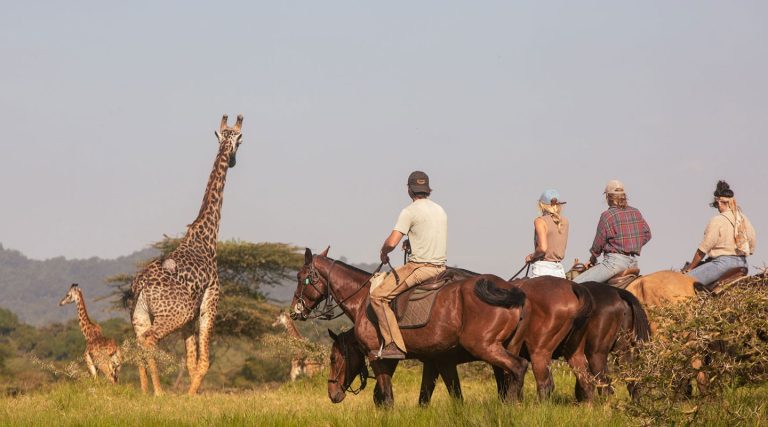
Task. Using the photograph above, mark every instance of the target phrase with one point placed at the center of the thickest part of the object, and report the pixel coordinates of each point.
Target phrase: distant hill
(32, 289)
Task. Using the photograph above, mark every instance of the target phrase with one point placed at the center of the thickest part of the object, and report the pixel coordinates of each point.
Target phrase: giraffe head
(230, 138)
(281, 319)
(73, 294)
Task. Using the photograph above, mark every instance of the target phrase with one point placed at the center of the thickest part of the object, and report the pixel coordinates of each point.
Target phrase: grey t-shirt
(426, 224)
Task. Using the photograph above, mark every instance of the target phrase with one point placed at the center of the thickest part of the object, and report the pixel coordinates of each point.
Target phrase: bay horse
(615, 311)
(480, 314)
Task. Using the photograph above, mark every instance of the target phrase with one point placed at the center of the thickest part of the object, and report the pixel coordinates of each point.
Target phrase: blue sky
(108, 113)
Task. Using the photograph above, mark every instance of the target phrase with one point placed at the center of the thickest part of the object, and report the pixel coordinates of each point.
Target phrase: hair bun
(723, 189)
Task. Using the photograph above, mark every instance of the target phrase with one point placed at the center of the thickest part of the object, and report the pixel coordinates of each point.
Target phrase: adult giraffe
(171, 292)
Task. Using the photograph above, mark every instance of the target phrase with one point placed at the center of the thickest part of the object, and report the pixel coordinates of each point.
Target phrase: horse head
(311, 289)
(347, 362)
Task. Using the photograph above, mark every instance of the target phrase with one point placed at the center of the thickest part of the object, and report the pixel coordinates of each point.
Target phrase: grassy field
(87, 402)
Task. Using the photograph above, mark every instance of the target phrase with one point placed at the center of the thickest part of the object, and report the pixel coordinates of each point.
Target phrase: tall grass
(305, 402)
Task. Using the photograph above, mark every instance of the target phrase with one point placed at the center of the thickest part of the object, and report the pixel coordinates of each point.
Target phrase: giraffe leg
(141, 324)
(190, 342)
(207, 315)
(89, 362)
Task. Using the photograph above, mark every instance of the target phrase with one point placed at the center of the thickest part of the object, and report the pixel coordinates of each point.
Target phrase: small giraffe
(300, 364)
(100, 351)
(171, 293)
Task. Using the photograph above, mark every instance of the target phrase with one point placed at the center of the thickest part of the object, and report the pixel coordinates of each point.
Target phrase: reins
(326, 313)
(363, 373)
(525, 267)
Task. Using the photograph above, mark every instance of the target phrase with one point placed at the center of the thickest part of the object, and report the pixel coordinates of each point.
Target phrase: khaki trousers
(410, 275)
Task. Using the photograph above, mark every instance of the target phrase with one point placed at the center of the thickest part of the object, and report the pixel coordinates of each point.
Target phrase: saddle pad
(419, 308)
(416, 310)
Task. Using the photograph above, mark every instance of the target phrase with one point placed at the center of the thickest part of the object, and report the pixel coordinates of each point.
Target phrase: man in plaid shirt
(621, 234)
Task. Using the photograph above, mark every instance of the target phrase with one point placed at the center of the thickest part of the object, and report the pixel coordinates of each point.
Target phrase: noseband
(312, 279)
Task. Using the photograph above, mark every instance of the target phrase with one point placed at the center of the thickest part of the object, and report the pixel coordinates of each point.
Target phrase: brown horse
(615, 310)
(479, 314)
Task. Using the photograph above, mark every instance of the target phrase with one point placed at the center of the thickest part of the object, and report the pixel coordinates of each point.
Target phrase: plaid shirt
(621, 231)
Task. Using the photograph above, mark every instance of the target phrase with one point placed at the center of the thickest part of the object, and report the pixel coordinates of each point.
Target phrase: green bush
(701, 349)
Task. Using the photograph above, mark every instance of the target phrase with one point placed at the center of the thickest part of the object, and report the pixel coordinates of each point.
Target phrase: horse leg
(540, 366)
(428, 379)
(598, 367)
(509, 388)
(383, 370)
(500, 358)
(584, 388)
(447, 369)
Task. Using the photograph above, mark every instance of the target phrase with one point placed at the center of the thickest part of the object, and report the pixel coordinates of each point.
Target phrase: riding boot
(388, 350)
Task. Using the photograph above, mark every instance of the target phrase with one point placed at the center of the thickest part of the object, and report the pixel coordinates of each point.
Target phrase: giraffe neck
(89, 328)
(291, 328)
(205, 229)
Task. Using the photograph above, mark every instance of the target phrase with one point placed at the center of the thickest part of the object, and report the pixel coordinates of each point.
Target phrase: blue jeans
(611, 265)
(710, 271)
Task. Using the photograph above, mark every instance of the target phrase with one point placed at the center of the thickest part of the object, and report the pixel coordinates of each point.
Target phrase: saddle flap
(727, 279)
(624, 278)
(732, 274)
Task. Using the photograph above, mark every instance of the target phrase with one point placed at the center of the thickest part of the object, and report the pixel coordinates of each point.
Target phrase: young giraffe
(100, 351)
(171, 293)
(299, 364)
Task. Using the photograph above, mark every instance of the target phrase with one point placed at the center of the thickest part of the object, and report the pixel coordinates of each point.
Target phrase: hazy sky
(108, 111)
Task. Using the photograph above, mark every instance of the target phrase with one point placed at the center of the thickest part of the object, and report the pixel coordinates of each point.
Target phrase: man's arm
(389, 245)
(601, 236)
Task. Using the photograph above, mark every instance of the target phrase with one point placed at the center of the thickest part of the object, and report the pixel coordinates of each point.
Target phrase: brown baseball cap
(418, 182)
(614, 186)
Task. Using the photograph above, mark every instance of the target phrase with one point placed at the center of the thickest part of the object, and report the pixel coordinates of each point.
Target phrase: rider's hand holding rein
(389, 245)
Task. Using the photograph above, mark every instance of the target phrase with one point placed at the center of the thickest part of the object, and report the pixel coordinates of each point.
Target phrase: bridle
(313, 278)
(362, 373)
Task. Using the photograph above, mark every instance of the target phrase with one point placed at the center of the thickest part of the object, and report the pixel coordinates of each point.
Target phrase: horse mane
(348, 266)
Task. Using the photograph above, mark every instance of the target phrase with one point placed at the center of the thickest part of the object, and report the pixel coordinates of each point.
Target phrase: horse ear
(325, 252)
(307, 256)
(332, 334)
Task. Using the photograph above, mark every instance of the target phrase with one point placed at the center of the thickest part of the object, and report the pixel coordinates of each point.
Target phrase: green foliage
(714, 343)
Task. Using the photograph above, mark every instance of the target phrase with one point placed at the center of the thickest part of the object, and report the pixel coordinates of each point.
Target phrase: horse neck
(345, 285)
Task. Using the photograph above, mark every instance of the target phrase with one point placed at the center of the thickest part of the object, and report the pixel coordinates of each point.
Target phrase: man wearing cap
(426, 225)
(621, 234)
(550, 237)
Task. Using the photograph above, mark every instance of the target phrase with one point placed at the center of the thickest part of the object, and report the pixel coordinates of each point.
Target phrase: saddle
(413, 307)
(624, 278)
(725, 281)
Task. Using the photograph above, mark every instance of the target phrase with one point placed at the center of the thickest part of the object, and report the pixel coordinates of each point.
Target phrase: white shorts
(547, 268)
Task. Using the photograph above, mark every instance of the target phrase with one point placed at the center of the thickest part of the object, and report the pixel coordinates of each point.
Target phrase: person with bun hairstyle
(550, 237)
(728, 239)
(621, 234)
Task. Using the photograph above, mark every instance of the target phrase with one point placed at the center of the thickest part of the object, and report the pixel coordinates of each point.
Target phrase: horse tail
(640, 324)
(586, 308)
(491, 294)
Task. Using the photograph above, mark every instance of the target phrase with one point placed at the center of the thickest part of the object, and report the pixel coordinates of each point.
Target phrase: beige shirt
(556, 240)
(719, 237)
(426, 224)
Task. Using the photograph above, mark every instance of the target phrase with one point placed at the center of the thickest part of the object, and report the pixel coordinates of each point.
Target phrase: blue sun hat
(551, 197)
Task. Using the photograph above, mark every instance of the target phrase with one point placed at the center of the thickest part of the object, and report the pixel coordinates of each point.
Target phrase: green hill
(32, 288)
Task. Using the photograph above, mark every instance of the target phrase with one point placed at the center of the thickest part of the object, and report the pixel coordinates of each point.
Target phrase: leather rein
(326, 313)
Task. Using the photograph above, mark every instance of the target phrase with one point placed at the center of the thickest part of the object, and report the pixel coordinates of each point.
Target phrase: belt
(427, 263)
